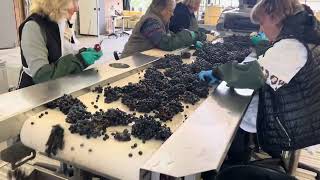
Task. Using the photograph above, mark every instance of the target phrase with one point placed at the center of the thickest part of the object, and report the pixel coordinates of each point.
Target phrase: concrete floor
(13, 60)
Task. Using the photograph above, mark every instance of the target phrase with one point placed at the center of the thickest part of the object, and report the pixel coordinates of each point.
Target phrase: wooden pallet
(310, 159)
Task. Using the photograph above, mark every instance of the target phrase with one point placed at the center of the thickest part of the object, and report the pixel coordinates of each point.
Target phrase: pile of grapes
(233, 48)
(159, 95)
(65, 103)
(147, 127)
(162, 92)
(95, 125)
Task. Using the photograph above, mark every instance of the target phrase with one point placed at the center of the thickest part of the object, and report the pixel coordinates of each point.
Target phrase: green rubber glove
(193, 35)
(256, 39)
(198, 45)
(90, 56)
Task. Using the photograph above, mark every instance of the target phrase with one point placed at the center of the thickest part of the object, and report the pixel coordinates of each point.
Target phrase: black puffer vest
(289, 118)
(53, 43)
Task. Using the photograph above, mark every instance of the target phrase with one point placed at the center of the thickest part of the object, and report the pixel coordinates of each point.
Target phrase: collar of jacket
(302, 26)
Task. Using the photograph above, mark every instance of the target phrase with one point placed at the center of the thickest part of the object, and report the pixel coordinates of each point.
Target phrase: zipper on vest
(285, 131)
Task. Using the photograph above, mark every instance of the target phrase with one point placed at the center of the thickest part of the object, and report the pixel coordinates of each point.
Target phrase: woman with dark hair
(152, 31)
(184, 17)
(286, 79)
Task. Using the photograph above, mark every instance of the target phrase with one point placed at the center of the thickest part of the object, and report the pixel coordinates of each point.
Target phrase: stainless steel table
(200, 144)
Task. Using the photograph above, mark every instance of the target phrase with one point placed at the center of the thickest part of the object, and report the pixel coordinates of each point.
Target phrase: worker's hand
(198, 45)
(257, 38)
(209, 77)
(90, 55)
(210, 37)
(197, 36)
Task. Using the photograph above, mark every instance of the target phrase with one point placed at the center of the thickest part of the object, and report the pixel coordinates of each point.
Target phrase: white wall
(8, 32)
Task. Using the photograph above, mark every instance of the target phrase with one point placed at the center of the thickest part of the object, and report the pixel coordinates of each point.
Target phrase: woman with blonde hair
(46, 41)
(286, 80)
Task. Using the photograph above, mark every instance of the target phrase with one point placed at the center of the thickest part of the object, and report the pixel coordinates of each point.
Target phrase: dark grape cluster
(162, 93)
(168, 110)
(201, 65)
(98, 89)
(147, 128)
(95, 125)
(123, 136)
(244, 40)
(65, 103)
(163, 134)
(168, 61)
(190, 98)
(77, 113)
(89, 128)
(115, 117)
(234, 48)
(185, 55)
(112, 94)
(55, 141)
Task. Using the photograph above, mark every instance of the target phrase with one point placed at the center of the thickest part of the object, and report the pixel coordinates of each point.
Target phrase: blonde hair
(191, 3)
(279, 9)
(55, 9)
(159, 5)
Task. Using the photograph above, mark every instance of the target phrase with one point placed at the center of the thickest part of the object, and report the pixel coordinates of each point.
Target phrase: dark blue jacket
(181, 19)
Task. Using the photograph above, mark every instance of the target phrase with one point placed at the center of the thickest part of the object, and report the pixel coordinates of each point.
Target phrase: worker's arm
(34, 49)
(261, 47)
(237, 75)
(276, 68)
(66, 65)
(153, 31)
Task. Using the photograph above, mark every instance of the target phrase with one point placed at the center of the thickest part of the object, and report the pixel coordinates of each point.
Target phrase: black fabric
(70, 25)
(289, 118)
(181, 18)
(239, 152)
(252, 172)
(53, 43)
(126, 4)
(303, 26)
(25, 80)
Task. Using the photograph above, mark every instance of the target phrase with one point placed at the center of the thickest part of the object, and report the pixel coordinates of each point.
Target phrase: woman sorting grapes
(48, 49)
(286, 80)
(152, 31)
(184, 17)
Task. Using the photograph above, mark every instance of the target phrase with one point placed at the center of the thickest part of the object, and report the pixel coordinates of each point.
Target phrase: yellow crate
(132, 13)
(132, 24)
(318, 15)
(213, 11)
(135, 13)
(126, 13)
(211, 20)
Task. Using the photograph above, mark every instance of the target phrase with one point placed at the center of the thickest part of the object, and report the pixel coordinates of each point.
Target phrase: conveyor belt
(219, 114)
(107, 157)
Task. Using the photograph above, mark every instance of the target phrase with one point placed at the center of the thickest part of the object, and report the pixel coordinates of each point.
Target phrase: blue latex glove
(198, 45)
(208, 76)
(90, 56)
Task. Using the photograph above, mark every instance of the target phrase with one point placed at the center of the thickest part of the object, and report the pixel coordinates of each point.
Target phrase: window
(314, 4)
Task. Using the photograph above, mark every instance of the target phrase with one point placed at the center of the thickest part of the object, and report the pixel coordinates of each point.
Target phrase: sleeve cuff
(81, 60)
